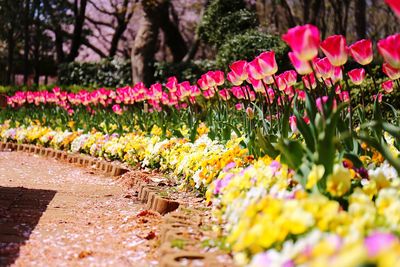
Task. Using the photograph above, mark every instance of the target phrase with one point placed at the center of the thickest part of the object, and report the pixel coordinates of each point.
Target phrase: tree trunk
(119, 31)
(10, 54)
(26, 40)
(78, 27)
(145, 43)
(361, 18)
(173, 37)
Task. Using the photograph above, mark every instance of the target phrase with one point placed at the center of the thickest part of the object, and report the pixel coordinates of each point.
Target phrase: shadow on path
(20, 211)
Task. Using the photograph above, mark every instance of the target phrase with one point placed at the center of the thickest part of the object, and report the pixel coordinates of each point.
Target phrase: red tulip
(361, 51)
(395, 5)
(391, 72)
(357, 76)
(239, 69)
(389, 48)
(388, 86)
(302, 67)
(267, 63)
(334, 47)
(324, 68)
(304, 41)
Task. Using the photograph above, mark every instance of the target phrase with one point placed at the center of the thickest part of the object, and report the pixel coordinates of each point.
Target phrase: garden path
(56, 214)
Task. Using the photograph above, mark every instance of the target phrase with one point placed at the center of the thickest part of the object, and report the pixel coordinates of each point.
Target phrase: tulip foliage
(308, 116)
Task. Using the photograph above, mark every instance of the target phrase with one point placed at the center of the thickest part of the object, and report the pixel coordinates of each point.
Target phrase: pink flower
(324, 68)
(280, 82)
(301, 95)
(234, 79)
(293, 123)
(117, 109)
(250, 113)
(304, 41)
(309, 81)
(290, 77)
(334, 47)
(254, 70)
(378, 242)
(395, 5)
(389, 48)
(171, 84)
(239, 106)
(268, 80)
(302, 67)
(321, 101)
(391, 72)
(337, 74)
(239, 69)
(357, 76)
(379, 96)
(388, 86)
(344, 96)
(224, 94)
(219, 77)
(267, 63)
(257, 85)
(361, 51)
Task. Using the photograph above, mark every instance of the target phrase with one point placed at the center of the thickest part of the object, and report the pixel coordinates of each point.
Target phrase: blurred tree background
(118, 42)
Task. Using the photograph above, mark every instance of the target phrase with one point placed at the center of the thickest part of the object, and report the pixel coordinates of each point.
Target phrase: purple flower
(229, 166)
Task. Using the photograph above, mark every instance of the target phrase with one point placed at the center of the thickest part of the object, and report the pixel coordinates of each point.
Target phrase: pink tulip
(334, 47)
(337, 74)
(117, 109)
(171, 84)
(388, 86)
(239, 69)
(202, 83)
(268, 80)
(234, 79)
(280, 82)
(395, 5)
(379, 96)
(239, 106)
(293, 123)
(250, 113)
(391, 72)
(344, 96)
(389, 48)
(302, 67)
(324, 68)
(257, 85)
(304, 41)
(290, 77)
(254, 70)
(321, 101)
(218, 77)
(361, 51)
(209, 78)
(301, 95)
(357, 76)
(267, 63)
(224, 94)
(309, 81)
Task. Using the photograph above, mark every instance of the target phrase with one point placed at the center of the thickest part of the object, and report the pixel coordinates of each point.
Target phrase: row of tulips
(307, 116)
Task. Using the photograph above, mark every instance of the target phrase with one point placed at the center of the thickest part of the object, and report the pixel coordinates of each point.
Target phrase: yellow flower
(339, 182)
(315, 175)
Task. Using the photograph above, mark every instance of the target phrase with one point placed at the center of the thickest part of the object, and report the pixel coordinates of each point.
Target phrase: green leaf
(292, 153)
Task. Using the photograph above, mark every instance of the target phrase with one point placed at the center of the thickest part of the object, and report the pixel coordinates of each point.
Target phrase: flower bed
(300, 170)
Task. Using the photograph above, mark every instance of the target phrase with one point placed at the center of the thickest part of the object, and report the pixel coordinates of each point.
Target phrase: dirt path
(56, 214)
